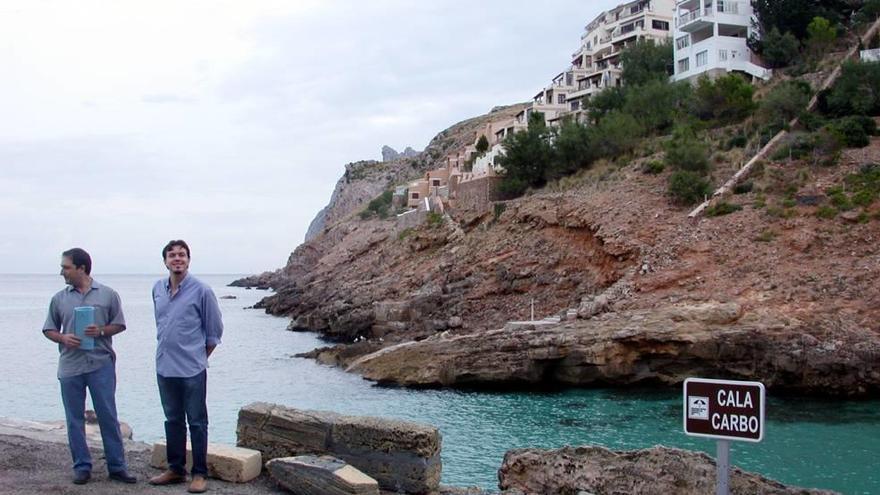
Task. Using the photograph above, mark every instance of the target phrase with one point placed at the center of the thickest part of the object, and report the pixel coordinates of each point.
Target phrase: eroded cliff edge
(609, 244)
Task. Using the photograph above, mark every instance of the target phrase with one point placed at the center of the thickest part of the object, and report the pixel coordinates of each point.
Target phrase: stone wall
(477, 195)
(400, 455)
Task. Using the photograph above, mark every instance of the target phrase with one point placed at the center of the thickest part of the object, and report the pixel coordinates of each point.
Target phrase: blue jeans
(184, 401)
(102, 387)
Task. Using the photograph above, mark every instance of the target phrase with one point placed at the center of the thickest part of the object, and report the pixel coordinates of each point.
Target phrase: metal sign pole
(722, 466)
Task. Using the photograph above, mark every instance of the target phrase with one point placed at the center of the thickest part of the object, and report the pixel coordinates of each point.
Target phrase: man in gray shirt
(95, 369)
(188, 328)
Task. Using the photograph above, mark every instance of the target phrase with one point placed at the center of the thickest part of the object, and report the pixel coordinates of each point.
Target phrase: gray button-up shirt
(108, 311)
(185, 324)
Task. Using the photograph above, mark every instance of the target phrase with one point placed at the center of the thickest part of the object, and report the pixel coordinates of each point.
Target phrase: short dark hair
(171, 244)
(80, 258)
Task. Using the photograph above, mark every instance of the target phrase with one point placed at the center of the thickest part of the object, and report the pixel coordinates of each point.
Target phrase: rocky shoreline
(404, 457)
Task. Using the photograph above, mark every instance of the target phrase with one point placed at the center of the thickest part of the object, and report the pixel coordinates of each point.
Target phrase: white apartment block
(596, 63)
(711, 38)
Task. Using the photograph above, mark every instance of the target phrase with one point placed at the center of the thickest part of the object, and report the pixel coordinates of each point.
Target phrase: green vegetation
(722, 209)
(688, 188)
(497, 210)
(743, 188)
(826, 212)
(482, 145)
(820, 34)
(864, 185)
(779, 50)
(785, 102)
(686, 152)
(646, 61)
(726, 100)
(528, 156)
(653, 167)
(856, 92)
(379, 207)
(647, 105)
(434, 220)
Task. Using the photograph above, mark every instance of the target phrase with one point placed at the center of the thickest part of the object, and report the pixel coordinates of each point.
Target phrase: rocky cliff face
(660, 345)
(365, 180)
(609, 243)
(390, 154)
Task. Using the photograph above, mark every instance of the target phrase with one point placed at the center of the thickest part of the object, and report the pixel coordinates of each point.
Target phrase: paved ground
(41, 466)
(34, 459)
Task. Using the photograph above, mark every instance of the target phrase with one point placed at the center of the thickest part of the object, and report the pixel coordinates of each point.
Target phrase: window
(560, 99)
(702, 58)
(435, 182)
(660, 25)
(722, 55)
(575, 105)
(415, 195)
(683, 42)
(684, 65)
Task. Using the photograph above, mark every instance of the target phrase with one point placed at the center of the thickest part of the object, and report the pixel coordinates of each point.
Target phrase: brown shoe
(198, 484)
(167, 478)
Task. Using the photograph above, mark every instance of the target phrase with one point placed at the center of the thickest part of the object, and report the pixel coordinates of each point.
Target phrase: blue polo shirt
(185, 324)
(108, 311)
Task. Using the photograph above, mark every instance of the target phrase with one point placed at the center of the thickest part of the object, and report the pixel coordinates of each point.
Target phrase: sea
(817, 443)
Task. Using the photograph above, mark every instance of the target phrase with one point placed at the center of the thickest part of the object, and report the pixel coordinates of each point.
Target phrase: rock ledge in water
(658, 470)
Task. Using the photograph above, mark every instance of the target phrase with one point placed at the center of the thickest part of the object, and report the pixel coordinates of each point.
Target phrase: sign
(724, 409)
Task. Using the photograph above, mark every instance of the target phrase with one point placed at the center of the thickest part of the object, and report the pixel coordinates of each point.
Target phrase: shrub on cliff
(686, 152)
(658, 104)
(573, 150)
(853, 131)
(725, 100)
(605, 102)
(784, 103)
(482, 145)
(646, 61)
(616, 134)
(380, 207)
(778, 49)
(856, 91)
(527, 156)
(687, 188)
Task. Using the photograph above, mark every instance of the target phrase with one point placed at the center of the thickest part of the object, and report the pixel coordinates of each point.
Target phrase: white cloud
(228, 123)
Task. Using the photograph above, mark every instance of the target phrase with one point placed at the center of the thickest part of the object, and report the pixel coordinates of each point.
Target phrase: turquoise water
(808, 442)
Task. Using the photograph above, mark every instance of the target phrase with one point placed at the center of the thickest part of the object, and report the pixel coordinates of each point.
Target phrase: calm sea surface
(808, 442)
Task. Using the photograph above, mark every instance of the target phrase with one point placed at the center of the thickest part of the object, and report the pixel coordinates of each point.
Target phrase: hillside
(776, 284)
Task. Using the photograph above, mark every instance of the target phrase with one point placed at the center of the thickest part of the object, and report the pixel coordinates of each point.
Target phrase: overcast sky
(129, 123)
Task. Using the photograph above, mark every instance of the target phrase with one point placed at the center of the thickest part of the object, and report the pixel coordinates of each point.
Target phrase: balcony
(724, 11)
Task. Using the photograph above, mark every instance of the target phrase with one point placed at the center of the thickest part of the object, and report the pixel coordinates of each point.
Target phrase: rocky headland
(607, 252)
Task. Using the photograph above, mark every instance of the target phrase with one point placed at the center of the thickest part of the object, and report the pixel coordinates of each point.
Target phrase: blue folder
(84, 316)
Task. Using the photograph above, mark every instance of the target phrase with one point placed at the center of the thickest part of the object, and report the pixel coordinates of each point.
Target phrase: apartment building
(596, 63)
(711, 39)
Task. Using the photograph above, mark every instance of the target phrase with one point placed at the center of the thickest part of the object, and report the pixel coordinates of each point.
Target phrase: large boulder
(400, 455)
(320, 475)
(658, 470)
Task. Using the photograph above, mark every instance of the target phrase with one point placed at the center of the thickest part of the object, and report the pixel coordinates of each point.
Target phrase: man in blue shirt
(189, 327)
(92, 368)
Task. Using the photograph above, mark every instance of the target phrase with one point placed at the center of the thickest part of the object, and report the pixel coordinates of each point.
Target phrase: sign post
(725, 410)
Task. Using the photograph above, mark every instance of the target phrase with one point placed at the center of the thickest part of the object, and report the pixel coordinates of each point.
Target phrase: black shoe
(81, 477)
(123, 476)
